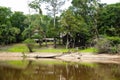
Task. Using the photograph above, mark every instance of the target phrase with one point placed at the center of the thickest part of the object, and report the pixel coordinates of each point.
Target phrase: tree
(38, 28)
(17, 20)
(30, 44)
(5, 14)
(36, 5)
(54, 7)
(46, 26)
(108, 20)
(5, 25)
(88, 10)
(8, 34)
(72, 24)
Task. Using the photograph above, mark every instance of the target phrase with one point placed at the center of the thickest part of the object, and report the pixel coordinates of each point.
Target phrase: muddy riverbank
(73, 57)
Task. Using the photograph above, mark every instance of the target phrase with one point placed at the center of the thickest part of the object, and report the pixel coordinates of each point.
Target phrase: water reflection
(66, 71)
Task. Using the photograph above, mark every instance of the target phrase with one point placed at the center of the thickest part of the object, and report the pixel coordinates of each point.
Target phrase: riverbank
(72, 57)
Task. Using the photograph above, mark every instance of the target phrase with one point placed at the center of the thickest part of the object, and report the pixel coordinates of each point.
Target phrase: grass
(91, 50)
(22, 48)
(18, 48)
(52, 50)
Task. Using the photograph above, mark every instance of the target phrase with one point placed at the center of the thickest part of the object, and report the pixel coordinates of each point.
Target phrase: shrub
(114, 40)
(105, 45)
(118, 48)
(30, 44)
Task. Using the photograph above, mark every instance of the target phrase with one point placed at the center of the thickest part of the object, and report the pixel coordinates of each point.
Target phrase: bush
(105, 45)
(30, 44)
(118, 48)
(114, 40)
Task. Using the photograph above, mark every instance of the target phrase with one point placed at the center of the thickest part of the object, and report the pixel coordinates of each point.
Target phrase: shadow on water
(57, 70)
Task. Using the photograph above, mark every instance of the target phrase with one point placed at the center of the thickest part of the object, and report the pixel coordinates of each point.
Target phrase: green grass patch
(23, 48)
(60, 49)
(51, 50)
(92, 50)
(18, 48)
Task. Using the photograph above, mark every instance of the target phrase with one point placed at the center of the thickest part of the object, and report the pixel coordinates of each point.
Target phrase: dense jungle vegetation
(86, 23)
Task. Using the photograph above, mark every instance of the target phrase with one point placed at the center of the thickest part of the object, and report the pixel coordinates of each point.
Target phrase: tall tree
(8, 32)
(72, 24)
(108, 20)
(36, 5)
(5, 14)
(5, 25)
(54, 7)
(17, 20)
(88, 10)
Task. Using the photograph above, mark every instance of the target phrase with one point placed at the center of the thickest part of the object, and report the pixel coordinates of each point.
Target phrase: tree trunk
(30, 48)
(46, 43)
(55, 43)
(59, 39)
(96, 30)
(73, 43)
(40, 43)
(45, 39)
(67, 44)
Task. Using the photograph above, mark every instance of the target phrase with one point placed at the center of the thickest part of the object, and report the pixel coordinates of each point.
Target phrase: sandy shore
(73, 57)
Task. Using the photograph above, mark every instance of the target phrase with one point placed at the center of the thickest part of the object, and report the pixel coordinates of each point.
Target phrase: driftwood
(53, 56)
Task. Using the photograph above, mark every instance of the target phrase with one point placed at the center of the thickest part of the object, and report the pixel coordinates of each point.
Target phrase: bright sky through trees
(21, 5)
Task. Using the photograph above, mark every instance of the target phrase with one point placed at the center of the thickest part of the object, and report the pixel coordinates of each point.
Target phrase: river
(57, 70)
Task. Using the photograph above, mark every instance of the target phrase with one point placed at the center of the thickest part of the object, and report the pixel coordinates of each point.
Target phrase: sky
(21, 5)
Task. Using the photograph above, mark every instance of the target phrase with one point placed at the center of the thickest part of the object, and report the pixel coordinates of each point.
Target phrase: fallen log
(44, 57)
(53, 56)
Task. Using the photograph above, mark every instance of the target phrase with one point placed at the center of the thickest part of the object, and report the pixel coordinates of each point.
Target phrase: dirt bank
(73, 57)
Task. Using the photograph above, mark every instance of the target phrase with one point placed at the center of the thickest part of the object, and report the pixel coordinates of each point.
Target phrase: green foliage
(92, 50)
(5, 25)
(11, 26)
(29, 41)
(114, 40)
(5, 14)
(17, 20)
(88, 10)
(30, 44)
(72, 24)
(84, 17)
(69, 23)
(36, 5)
(8, 34)
(118, 48)
(105, 45)
(52, 50)
(108, 20)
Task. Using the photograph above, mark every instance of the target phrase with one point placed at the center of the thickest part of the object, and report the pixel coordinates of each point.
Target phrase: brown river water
(57, 70)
